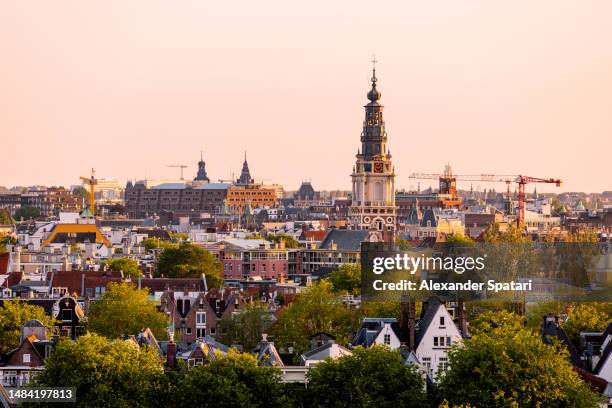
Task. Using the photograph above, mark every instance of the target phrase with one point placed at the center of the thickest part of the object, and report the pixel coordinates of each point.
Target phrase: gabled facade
(436, 332)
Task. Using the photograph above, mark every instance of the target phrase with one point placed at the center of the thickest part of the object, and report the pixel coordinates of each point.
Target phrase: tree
(125, 310)
(26, 213)
(459, 240)
(156, 243)
(586, 317)
(190, 261)
(510, 367)
(13, 314)
(289, 241)
(233, 380)
(374, 377)
(246, 326)
(129, 266)
(403, 244)
(83, 193)
(6, 239)
(347, 278)
(512, 234)
(5, 217)
(487, 321)
(315, 309)
(106, 373)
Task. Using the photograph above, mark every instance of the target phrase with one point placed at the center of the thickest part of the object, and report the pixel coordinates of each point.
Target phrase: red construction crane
(522, 181)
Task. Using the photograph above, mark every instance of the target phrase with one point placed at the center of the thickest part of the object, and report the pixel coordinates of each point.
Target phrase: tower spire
(374, 61)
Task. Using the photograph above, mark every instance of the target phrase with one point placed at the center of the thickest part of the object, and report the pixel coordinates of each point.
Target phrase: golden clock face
(378, 167)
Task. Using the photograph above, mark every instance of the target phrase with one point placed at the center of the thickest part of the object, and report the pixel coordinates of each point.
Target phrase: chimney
(411, 326)
(83, 284)
(404, 324)
(171, 355)
(461, 317)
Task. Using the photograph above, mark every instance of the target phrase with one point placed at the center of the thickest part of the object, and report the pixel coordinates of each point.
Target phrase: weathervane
(374, 61)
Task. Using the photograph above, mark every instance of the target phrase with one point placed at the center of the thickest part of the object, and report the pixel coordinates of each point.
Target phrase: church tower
(373, 205)
(245, 175)
(201, 177)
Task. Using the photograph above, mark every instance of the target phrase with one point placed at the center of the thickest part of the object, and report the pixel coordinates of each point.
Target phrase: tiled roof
(345, 240)
(213, 186)
(371, 327)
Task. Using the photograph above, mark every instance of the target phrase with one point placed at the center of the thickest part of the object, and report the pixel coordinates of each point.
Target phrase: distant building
(253, 195)
(201, 177)
(337, 248)
(107, 191)
(142, 202)
(245, 178)
(433, 223)
(306, 196)
(50, 201)
(373, 177)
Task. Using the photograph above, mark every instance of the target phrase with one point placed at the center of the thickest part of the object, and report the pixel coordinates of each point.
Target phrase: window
(443, 364)
(200, 318)
(441, 320)
(200, 332)
(387, 338)
(66, 315)
(26, 358)
(441, 341)
(188, 331)
(427, 363)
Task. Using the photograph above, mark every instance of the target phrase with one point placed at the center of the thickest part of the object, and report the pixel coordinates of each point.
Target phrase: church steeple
(245, 174)
(373, 203)
(374, 136)
(201, 176)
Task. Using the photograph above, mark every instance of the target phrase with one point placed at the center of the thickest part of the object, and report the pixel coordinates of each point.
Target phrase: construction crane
(181, 166)
(91, 181)
(521, 180)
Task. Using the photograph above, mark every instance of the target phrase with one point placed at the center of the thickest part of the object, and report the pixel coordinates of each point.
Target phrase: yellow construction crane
(92, 182)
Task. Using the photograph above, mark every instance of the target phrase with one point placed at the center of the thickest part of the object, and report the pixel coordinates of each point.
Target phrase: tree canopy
(374, 377)
(586, 317)
(316, 309)
(106, 373)
(125, 310)
(487, 321)
(26, 213)
(13, 314)
(246, 326)
(190, 261)
(129, 266)
(289, 241)
(156, 243)
(346, 279)
(512, 367)
(233, 380)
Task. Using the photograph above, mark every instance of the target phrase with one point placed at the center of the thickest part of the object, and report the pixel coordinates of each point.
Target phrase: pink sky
(514, 87)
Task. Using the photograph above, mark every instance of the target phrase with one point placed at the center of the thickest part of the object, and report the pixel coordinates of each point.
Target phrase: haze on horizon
(128, 87)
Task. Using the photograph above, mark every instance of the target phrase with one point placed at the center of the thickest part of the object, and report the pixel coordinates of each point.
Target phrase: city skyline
(132, 88)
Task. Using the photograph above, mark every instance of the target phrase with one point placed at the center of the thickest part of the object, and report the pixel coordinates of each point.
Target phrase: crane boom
(181, 166)
(91, 181)
(521, 180)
